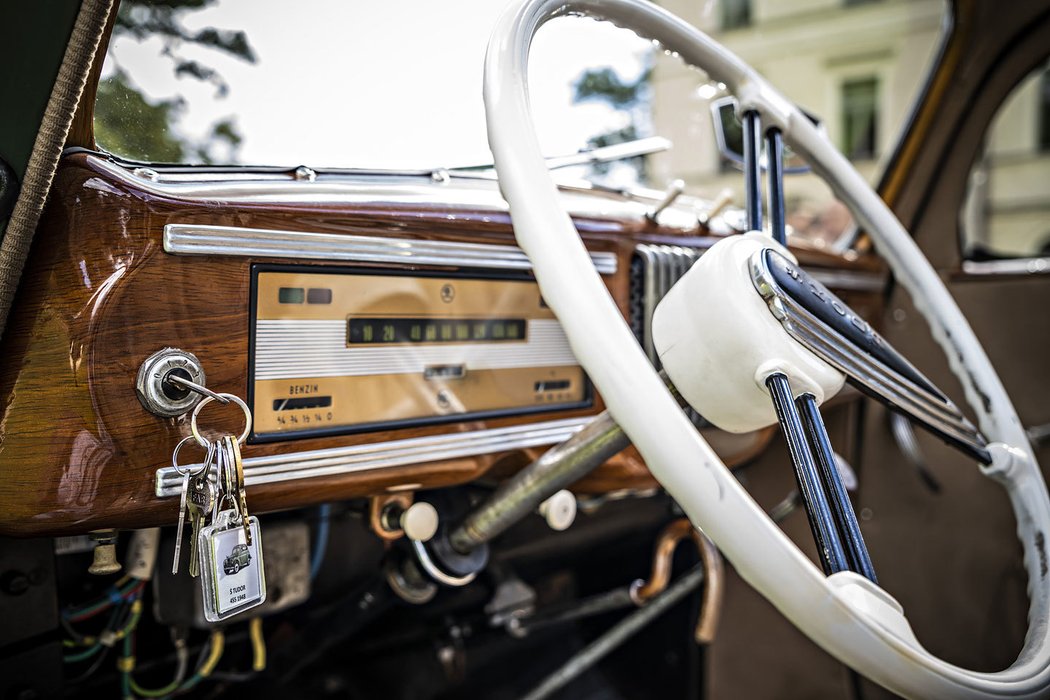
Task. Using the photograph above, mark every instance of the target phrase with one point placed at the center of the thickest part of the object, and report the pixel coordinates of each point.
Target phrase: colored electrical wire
(125, 664)
(215, 649)
(95, 643)
(255, 632)
(180, 673)
(120, 591)
(90, 670)
(83, 655)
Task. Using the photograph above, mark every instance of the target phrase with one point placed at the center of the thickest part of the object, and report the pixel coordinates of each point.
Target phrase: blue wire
(321, 542)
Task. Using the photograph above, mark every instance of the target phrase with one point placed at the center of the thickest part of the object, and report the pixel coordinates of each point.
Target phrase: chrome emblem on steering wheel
(828, 328)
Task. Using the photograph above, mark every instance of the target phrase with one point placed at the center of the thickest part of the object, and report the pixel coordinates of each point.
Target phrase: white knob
(559, 510)
(420, 521)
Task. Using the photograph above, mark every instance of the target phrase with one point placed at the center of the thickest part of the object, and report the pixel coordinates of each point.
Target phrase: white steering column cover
(718, 341)
(849, 617)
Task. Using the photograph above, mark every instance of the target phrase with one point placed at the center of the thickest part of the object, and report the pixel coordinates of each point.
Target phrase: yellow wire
(218, 641)
(255, 631)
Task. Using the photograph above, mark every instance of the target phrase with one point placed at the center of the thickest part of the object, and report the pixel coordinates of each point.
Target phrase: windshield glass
(393, 85)
(397, 85)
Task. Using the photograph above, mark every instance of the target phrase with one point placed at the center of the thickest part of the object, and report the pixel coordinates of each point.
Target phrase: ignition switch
(161, 396)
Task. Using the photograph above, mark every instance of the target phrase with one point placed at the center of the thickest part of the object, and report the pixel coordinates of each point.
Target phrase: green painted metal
(33, 38)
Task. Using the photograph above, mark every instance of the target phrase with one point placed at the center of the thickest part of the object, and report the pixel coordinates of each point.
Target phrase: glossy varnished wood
(78, 451)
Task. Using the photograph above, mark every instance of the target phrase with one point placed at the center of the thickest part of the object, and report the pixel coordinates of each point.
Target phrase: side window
(736, 13)
(860, 114)
(1007, 212)
(1044, 111)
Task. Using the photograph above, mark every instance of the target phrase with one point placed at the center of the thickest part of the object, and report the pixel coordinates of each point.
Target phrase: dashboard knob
(559, 510)
(419, 521)
(104, 560)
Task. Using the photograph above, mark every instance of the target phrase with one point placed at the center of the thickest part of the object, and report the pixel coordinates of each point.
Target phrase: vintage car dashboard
(384, 330)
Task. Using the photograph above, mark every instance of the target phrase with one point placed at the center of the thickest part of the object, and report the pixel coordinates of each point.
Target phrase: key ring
(208, 399)
(185, 470)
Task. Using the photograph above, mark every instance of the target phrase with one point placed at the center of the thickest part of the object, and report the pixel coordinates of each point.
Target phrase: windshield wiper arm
(587, 156)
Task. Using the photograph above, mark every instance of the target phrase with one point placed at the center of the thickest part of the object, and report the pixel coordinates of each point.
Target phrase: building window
(736, 13)
(1044, 112)
(860, 118)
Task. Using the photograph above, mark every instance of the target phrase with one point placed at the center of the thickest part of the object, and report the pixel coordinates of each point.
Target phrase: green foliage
(130, 125)
(628, 133)
(143, 19)
(604, 85)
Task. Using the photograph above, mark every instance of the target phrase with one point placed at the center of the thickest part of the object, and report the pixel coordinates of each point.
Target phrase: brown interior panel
(79, 451)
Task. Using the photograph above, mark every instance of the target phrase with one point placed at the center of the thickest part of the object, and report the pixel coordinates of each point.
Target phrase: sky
(392, 84)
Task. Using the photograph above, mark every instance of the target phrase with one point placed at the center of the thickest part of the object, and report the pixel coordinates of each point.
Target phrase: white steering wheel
(850, 617)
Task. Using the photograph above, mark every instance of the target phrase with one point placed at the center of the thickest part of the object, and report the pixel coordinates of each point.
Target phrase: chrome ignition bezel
(149, 384)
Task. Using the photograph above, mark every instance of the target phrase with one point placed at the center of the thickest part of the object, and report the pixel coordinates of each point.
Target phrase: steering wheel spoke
(810, 482)
(831, 479)
(840, 544)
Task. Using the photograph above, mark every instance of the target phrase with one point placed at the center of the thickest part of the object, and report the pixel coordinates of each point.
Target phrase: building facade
(859, 66)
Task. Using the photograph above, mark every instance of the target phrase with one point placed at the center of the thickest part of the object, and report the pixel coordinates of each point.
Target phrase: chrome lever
(674, 191)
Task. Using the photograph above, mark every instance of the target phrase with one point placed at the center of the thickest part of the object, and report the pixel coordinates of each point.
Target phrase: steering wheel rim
(850, 617)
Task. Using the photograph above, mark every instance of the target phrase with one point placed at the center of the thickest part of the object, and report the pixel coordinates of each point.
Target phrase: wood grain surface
(78, 451)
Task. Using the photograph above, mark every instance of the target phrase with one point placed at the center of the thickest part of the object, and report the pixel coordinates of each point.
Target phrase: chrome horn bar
(916, 397)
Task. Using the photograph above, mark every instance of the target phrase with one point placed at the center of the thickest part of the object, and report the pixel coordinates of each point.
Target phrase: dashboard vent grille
(654, 270)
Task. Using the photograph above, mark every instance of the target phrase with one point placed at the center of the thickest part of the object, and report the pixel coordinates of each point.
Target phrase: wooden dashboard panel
(77, 449)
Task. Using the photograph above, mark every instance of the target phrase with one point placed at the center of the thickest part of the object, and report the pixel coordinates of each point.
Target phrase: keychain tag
(231, 569)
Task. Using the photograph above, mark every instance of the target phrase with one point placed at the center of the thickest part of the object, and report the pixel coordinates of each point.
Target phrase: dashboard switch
(420, 521)
(559, 510)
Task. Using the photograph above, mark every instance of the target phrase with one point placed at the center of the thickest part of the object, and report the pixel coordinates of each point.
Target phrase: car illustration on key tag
(239, 559)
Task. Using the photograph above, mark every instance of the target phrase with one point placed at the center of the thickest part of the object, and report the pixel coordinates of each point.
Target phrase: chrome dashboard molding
(462, 196)
(1016, 266)
(863, 370)
(336, 461)
(198, 239)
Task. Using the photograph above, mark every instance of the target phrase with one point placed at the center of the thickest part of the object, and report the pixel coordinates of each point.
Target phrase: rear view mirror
(729, 133)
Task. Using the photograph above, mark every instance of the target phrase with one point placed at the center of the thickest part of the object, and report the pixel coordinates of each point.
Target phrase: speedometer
(346, 351)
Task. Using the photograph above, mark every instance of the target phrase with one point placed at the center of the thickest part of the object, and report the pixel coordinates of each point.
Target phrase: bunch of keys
(196, 499)
(226, 554)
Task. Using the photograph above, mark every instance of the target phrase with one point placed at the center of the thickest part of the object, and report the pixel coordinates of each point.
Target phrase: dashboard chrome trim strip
(198, 239)
(1015, 266)
(335, 461)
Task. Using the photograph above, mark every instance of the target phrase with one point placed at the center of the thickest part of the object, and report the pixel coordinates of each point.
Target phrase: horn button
(817, 300)
(823, 323)
(718, 341)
